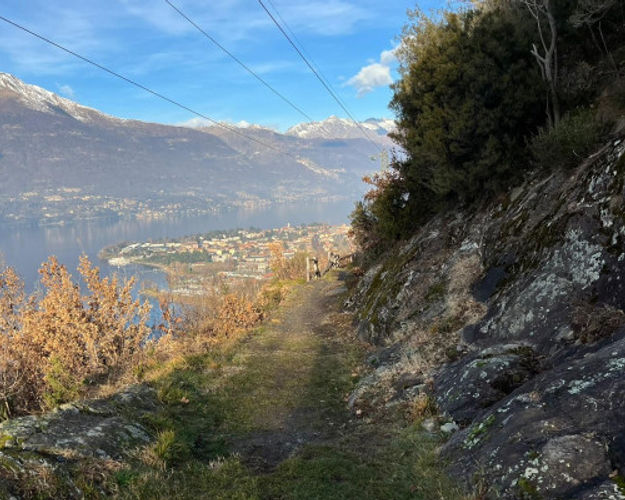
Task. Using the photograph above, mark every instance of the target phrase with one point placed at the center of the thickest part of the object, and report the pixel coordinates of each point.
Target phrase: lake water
(25, 248)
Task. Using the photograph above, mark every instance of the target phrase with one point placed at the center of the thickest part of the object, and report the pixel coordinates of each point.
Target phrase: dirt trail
(266, 418)
(295, 371)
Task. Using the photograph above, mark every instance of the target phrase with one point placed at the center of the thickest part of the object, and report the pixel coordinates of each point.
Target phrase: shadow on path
(296, 376)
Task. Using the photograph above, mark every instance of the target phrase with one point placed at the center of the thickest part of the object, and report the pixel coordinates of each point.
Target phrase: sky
(351, 41)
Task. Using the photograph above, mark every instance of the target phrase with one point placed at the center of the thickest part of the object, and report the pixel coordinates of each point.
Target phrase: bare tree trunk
(607, 51)
(547, 58)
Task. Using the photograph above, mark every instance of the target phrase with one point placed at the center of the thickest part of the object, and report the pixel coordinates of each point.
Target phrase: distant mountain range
(60, 160)
(340, 128)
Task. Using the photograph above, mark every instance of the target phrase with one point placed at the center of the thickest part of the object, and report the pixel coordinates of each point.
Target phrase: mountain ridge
(51, 144)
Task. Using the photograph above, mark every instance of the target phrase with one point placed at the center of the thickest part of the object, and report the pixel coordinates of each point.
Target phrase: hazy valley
(61, 161)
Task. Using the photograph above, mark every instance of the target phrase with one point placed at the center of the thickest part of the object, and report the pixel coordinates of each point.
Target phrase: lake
(25, 248)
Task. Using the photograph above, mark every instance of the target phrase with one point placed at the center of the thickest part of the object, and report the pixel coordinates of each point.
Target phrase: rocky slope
(510, 319)
(43, 453)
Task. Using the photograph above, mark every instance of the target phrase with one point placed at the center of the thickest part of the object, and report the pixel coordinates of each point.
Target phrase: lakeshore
(197, 263)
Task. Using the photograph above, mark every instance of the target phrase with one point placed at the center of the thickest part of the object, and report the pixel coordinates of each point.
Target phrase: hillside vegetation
(493, 253)
(489, 96)
(259, 415)
(64, 342)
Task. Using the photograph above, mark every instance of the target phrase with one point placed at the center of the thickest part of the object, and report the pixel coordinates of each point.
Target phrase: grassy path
(274, 406)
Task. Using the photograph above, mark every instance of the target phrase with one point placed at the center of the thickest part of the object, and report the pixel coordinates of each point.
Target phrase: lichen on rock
(106, 429)
(534, 336)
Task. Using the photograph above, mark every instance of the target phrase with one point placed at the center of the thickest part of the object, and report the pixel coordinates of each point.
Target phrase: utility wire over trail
(247, 68)
(303, 49)
(240, 63)
(316, 73)
(149, 90)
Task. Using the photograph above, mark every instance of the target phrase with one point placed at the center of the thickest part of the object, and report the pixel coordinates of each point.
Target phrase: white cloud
(77, 29)
(374, 75)
(67, 91)
(158, 14)
(370, 77)
(327, 17)
(319, 17)
(198, 122)
(388, 57)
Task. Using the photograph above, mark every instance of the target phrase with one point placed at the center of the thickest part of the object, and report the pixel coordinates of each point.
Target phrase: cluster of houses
(244, 253)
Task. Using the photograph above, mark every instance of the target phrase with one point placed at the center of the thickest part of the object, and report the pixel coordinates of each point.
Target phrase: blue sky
(350, 40)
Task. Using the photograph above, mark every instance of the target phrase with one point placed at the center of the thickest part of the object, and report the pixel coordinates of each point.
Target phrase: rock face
(102, 430)
(513, 315)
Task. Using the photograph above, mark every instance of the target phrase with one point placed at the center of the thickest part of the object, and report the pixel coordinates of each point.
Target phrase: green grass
(280, 380)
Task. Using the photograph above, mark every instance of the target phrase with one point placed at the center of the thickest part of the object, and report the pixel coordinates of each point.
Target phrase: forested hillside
(492, 95)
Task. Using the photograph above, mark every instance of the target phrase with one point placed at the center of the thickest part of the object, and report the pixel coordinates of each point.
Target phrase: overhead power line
(240, 63)
(316, 73)
(304, 51)
(248, 69)
(301, 46)
(146, 89)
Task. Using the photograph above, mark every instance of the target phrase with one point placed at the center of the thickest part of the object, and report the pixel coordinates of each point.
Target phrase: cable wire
(324, 131)
(146, 89)
(330, 91)
(301, 45)
(306, 53)
(239, 62)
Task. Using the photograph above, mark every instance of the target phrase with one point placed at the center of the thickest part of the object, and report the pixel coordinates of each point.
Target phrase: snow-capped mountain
(341, 128)
(51, 145)
(44, 101)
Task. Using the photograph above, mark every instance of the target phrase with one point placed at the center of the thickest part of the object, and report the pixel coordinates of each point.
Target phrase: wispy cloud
(374, 75)
(264, 68)
(75, 29)
(158, 14)
(67, 91)
(326, 18)
(330, 18)
(214, 17)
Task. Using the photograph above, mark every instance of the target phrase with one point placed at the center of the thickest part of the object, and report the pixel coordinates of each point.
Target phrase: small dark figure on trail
(316, 271)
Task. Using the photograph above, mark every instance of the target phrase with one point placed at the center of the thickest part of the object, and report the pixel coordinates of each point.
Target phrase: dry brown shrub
(55, 341)
(18, 373)
(216, 317)
(236, 313)
(120, 322)
(423, 406)
(62, 343)
(287, 269)
(592, 323)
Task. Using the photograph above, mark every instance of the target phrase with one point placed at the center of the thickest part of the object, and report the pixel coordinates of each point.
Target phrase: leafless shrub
(592, 323)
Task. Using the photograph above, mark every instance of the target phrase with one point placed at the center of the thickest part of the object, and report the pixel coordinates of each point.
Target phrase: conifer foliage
(473, 107)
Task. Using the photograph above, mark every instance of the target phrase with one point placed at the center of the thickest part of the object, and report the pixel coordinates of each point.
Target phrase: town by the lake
(233, 256)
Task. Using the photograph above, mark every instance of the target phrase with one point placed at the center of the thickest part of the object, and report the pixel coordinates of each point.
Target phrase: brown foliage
(58, 343)
(236, 313)
(380, 182)
(63, 338)
(286, 269)
(17, 373)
